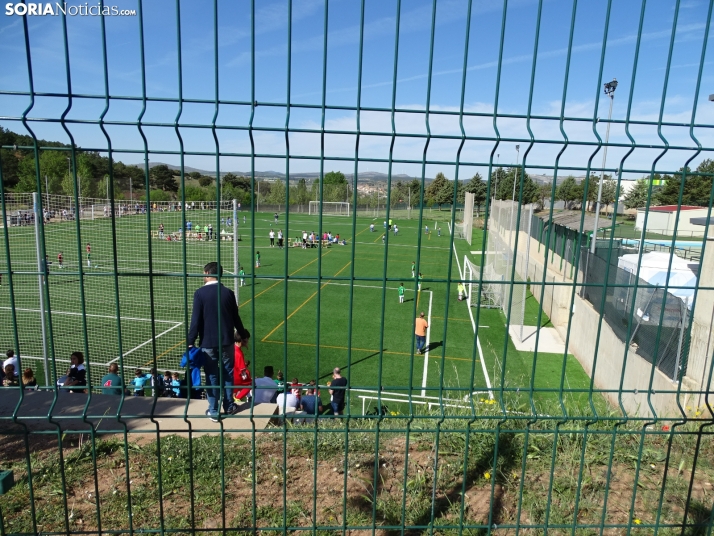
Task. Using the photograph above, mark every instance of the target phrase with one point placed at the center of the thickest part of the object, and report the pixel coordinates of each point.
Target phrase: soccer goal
(331, 208)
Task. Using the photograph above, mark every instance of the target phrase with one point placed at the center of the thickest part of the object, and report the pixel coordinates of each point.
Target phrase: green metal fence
(554, 426)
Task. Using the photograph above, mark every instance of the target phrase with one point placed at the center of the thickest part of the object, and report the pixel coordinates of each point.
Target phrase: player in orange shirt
(420, 332)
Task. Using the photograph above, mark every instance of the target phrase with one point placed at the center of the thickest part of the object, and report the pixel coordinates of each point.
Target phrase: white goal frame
(331, 208)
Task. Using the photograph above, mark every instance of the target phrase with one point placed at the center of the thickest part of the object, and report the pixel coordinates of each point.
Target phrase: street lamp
(610, 88)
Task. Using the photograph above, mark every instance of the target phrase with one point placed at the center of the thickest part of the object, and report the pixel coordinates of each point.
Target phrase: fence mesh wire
(597, 419)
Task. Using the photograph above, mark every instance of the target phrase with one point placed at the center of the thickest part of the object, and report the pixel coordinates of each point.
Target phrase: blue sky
(582, 92)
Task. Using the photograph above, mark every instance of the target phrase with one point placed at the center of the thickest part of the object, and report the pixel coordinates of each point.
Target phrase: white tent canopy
(654, 270)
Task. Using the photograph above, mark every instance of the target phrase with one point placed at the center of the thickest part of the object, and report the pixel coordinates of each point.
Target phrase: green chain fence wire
(610, 433)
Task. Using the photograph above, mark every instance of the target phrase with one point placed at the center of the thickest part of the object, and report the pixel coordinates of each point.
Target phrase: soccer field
(307, 312)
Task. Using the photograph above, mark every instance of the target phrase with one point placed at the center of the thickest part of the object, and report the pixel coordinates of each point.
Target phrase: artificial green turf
(362, 327)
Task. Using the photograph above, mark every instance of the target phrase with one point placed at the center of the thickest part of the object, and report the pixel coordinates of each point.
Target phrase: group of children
(10, 373)
(168, 385)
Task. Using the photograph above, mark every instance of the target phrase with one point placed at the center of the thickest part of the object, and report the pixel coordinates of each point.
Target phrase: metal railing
(556, 431)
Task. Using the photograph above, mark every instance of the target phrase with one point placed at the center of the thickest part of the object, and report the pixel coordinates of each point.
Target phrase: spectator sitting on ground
(76, 378)
(280, 382)
(311, 402)
(265, 388)
(11, 360)
(112, 383)
(295, 389)
(10, 378)
(175, 386)
(288, 401)
(28, 379)
(167, 383)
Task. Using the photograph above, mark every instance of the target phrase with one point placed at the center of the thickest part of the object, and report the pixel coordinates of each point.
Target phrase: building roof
(673, 208)
(701, 221)
(571, 220)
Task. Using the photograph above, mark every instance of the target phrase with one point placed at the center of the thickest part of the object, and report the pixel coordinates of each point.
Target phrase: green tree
(205, 181)
(195, 175)
(302, 195)
(163, 178)
(195, 193)
(637, 196)
(697, 188)
(86, 180)
(157, 195)
(479, 188)
(122, 174)
(414, 191)
(569, 191)
(277, 194)
(440, 191)
(504, 185)
(545, 191)
(609, 190)
(335, 177)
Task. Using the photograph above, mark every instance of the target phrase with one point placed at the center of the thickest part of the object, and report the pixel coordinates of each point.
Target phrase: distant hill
(366, 175)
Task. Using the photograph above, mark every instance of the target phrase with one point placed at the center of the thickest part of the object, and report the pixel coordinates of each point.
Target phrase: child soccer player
(89, 255)
(60, 259)
(167, 383)
(139, 382)
(371, 227)
(413, 269)
(257, 259)
(242, 276)
(426, 229)
(438, 231)
(400, 290)
(241, 374)
(419, 280)
(175, 386)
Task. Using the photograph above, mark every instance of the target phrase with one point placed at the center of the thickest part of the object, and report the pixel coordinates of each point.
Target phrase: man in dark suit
(218, 347)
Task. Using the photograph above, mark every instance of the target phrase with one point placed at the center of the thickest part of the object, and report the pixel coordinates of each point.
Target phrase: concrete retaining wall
(581, 322)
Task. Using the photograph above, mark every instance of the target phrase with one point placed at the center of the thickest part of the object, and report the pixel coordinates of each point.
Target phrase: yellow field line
(151, 362)
(302, 304)
(281, 281)
(380, 236)
(371, 350)
(362, 231)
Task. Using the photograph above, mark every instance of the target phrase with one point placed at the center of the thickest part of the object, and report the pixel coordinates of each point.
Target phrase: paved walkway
(138, 414)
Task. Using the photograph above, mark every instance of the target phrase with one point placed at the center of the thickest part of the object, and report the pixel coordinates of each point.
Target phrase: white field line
(91, 315)
(37, 358)
(426, 354)
(478, 341)
(177, 324)
(406, 395)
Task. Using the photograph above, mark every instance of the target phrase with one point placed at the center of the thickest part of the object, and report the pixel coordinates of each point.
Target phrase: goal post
(330, 208)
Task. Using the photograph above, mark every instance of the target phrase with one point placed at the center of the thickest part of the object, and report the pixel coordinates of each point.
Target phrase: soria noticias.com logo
(61, 8)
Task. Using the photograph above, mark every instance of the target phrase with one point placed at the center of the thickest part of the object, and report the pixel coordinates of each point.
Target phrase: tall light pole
(610, 88)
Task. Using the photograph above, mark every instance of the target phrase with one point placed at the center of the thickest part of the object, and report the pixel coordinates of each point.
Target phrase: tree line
(93, 175)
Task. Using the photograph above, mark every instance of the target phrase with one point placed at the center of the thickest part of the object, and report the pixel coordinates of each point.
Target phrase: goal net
(468, 223)
(150, 238)
(331, 208)
(503, 287)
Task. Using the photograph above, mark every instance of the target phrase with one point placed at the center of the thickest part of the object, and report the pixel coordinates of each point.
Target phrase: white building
(662, 220)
